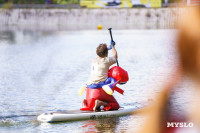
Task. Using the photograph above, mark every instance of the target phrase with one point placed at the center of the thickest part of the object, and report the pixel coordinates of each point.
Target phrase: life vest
(121, 76)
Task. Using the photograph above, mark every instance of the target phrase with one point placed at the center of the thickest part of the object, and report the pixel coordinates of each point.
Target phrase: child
(101, 64)
(99, 73)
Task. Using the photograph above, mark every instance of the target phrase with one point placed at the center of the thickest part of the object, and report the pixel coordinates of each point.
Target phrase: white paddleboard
(84, 115)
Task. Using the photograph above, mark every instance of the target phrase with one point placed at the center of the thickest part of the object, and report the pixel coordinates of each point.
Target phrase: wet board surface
(73, 115)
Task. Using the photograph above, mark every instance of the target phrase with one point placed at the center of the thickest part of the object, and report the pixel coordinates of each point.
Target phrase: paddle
(112, 41)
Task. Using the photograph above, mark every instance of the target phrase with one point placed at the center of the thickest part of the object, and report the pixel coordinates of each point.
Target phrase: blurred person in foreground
(188, 50)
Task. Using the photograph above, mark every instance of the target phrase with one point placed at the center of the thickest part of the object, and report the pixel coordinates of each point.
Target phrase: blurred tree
(40, 1)
(174, 1)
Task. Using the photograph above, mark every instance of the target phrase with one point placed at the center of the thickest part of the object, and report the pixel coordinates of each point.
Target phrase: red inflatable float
(121, 76)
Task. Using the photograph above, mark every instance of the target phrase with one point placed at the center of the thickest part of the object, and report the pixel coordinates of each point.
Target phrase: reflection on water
(21, 37)
(7, 37)
(42, 71)
(102, 125)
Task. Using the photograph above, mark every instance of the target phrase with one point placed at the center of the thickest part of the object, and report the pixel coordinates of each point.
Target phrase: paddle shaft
(112, 41)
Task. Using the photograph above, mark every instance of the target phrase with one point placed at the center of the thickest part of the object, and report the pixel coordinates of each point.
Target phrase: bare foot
(99, 103)
(96, 105)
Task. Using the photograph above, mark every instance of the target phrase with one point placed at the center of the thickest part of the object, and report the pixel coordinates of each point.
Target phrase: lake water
(42, 72)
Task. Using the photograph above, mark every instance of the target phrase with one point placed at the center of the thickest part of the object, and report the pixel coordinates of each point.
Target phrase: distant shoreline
(134, 18)
(74, 6)
(43, 6)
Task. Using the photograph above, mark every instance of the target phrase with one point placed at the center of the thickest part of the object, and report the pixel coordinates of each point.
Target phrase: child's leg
(98, 104)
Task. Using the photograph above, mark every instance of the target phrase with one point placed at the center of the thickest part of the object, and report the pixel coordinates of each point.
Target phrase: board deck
(73, 115)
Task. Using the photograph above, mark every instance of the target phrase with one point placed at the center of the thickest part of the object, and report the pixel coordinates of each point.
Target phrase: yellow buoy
(99, 27)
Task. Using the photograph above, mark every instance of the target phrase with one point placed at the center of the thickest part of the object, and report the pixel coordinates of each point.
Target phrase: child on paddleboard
(99, 72)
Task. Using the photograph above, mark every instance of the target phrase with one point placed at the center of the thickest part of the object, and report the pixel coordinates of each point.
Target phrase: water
(42, 72)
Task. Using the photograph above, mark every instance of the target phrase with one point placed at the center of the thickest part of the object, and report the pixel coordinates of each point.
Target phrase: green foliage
(23, 1)
(7, 5)
(66, 1)
(61, 1)
(174, 1)
(39, 1)
(2, 1)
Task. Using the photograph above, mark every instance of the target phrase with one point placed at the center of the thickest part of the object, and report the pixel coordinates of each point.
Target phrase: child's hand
(113, 43)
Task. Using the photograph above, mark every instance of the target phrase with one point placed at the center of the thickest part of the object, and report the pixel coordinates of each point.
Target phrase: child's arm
(114, 52)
